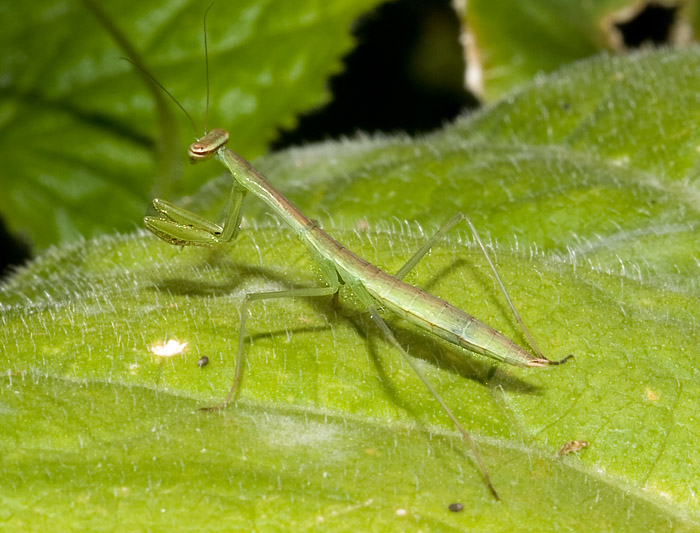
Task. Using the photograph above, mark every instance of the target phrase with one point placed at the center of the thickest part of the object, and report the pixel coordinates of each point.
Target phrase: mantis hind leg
(389, 335)
(415, 259)
(254, 297)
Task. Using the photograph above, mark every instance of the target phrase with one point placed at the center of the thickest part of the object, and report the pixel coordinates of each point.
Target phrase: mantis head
(206, 147)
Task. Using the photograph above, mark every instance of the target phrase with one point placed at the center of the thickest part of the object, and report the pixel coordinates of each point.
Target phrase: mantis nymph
(339, 266)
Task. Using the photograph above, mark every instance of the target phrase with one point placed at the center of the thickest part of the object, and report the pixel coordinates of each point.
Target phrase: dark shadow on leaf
(188, 287)
(362, 327)
(234, 273)
(459, 361)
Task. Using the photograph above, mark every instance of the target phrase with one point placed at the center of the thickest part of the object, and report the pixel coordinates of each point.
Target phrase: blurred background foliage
(405, 71)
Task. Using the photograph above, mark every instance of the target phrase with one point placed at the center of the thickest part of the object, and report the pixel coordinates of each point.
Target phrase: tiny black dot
(456, 507)
(203, 361)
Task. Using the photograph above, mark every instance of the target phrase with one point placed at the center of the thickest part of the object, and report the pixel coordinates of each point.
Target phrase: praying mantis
(373, 287)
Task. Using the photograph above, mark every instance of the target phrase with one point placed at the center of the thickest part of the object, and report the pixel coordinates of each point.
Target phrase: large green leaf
(586, 183)
(78, 137)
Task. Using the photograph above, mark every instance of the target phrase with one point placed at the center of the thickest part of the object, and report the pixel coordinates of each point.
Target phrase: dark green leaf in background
(508, 43)
(77, 123)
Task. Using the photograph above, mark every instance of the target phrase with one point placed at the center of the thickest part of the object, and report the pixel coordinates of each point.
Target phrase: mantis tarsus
(373, 287)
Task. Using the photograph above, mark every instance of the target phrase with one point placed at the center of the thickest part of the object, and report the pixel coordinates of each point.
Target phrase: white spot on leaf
(170, 348)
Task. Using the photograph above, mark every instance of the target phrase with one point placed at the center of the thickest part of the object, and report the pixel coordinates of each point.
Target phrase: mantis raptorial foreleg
(179, 226)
